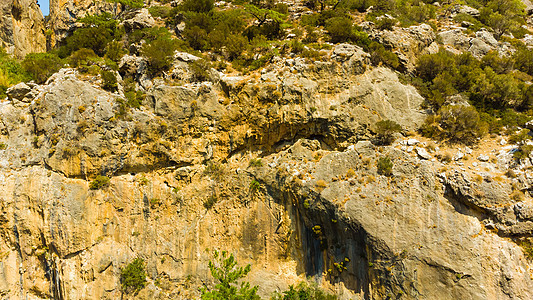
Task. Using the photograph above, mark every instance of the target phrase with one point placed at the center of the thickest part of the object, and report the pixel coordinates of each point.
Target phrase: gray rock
(185, 57)
(141, 19)
(18, 91)
(412, 142)
(483, 157)
(459, 155)
(423, 153)
(131, 65)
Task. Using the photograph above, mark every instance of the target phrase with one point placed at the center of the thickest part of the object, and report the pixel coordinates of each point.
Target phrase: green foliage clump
(304, 291)
(385, 165)
(109, 80)
(133, 276)
(488, 84)
(99, 182)
(99, 30)
(385, 130)
(159, 11)
(227, 274)
(41, 65)
(456, 124)
(159, 54)
(11, 72)
(255, 163)
(133, 96)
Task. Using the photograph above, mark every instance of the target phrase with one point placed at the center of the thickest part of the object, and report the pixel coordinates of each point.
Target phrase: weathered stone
(483, 157)
(18, 91)
(21, 27)
(138, 20)
(422, 153)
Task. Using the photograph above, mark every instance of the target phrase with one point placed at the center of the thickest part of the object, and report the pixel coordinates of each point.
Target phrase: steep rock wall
(22, 28)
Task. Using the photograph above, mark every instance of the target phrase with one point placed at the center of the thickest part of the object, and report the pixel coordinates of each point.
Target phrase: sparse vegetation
(99, 182)
(304, 291)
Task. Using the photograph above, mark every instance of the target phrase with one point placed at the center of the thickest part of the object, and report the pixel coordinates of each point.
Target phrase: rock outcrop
(22, 28)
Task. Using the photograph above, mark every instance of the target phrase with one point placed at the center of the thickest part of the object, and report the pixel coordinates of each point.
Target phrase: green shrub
(41, 65)
(378, 54)
(11, 72)
(385, 130)
(385, 23)
(149, 34)
(340, 29)
(227, 276)
(133, 276)
(200, 6)
(114, 51)
(159, 54)
(3, 146)
(159, 11)
(129, 3)
(200, 70)
(99, 182)
(109, 81)
(99, 31)
(384, 165)
(520, 137)
(255, 163)
(455, 123)
(82, 59)
(134, 98)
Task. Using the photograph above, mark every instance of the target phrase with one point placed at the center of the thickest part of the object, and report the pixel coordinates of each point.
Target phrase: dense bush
(456, 124)
(385, 130)
(488, 84)
(160, 54)
(11, 72)
(109, 80)
(133, 276)
(41, 65)
(99, 30)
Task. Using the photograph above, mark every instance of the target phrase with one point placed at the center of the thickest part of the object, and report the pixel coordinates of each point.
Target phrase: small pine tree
(226, 273)
(133, 276)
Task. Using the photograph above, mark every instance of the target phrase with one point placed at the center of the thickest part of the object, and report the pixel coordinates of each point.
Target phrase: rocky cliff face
(181, 174)
(22, 28)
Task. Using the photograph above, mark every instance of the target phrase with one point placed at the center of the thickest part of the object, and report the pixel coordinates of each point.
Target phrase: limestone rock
(18, 91)
(407, 43)
(422, 153)
(138, 20)
(22, 27)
